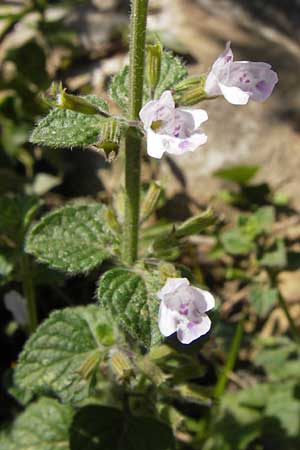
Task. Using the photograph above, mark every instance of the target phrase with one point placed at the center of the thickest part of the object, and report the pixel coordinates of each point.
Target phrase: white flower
(183, 309)
(172, 130)
(241, 80)
(16, 304)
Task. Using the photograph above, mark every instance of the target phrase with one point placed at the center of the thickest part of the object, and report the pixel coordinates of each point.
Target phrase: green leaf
(262, 299)
(276, 257)
(238, 174)
(64, 128)
(284, 405)
(43, 426)
(172, 71)
(274, 355)
(130, 298)
(17, 212)
(62, 356)
(102, 428)
(236, 242)
(264, 218)
(74, 238)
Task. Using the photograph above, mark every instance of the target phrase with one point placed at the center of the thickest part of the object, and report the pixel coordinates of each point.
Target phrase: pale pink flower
(240, 81)
(170, 129)
(183, 309)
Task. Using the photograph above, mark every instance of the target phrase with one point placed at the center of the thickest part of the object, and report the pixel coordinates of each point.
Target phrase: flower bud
(121, 365)
(196, 224)
(190, 91)
(150, 201)
(153, 67)
(75, 103)
(111, 130)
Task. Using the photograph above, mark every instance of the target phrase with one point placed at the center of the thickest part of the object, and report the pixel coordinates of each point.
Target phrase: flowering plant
(108, 369)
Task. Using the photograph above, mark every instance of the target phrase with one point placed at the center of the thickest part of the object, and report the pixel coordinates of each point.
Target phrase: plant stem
(294, 331)
(132, 142)
(29, 294)
(231, 359)
(282, 303)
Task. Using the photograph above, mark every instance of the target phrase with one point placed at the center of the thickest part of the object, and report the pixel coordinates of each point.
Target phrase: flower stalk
(231, 359)
(132, 141)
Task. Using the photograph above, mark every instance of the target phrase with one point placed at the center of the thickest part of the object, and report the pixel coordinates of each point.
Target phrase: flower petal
(156, 144)
(199, 116)
(180, 146)
(172, 284)
(208, 298)
(189, 331)
(235, 95)
(167, 320)
(162, 108)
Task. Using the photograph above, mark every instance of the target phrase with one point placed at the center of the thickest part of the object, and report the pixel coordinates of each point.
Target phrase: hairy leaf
(101, 428)
(43, 426)
(74, 238)
(65, 128)
(131, 300)
(172, 71)
(62, 355)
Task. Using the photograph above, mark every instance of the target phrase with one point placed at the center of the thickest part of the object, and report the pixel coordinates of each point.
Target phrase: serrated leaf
(74, 238)
(262, 299)
(131, 300)
(58, 355)
(43, 426)
(172, 71)
(64, 128)
(102, 428)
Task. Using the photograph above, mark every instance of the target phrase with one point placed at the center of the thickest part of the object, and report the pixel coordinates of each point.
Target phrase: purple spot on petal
(184, 145)
(228, 58)
(262, 86)
(191, 325)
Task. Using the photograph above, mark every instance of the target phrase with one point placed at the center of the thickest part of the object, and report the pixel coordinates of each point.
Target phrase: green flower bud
(190, 91)
(196, 224)
(111, 131)
(150, 201)
(153, 66)
(121, 365)
(75, 103)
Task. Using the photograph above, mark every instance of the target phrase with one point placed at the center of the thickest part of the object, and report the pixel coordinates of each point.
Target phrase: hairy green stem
(231, 359)
(132, 142)
(29, 294)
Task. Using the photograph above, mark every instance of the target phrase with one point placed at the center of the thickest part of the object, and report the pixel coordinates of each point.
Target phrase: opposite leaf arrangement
(107, 355)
